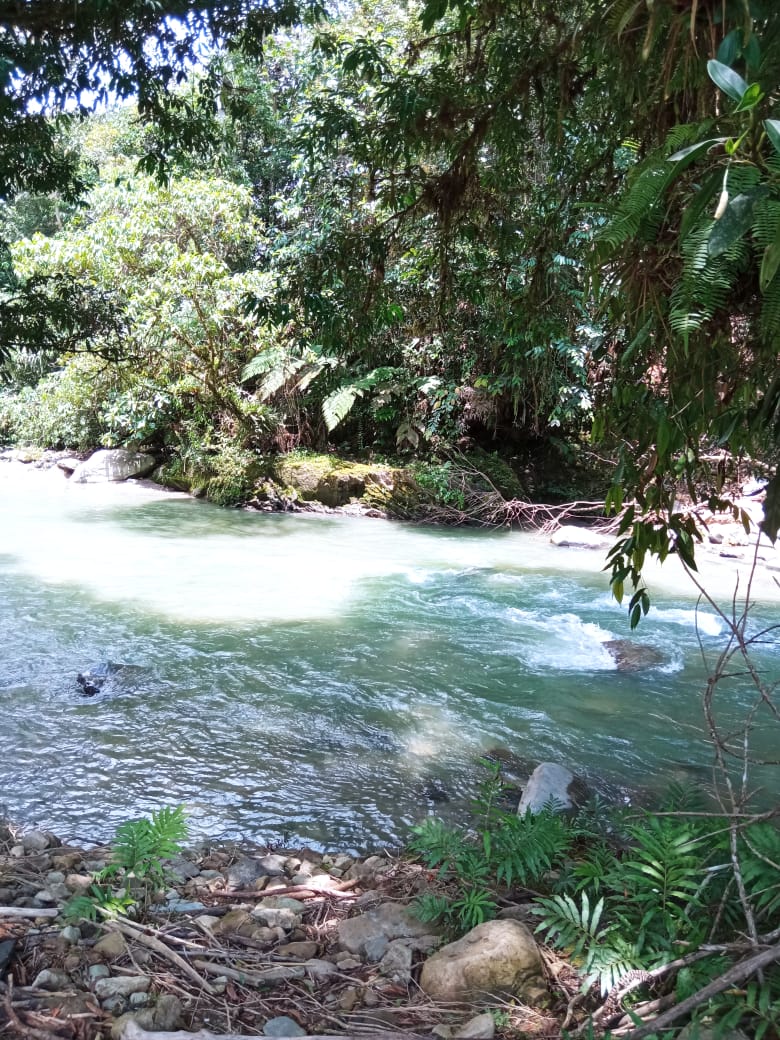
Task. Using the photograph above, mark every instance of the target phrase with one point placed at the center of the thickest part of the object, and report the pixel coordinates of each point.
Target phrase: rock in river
(633, 657)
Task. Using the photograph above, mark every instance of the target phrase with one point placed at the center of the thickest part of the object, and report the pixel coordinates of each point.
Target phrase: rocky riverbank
(252, 941)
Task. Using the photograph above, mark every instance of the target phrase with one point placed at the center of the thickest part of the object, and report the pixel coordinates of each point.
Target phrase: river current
(321, 680)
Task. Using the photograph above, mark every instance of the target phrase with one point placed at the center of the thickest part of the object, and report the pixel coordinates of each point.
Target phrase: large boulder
(113, 464)
(497, 958)
(330, 480)
(552, 785)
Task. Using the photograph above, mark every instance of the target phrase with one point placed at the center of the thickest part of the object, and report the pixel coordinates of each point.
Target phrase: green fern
(759, 849)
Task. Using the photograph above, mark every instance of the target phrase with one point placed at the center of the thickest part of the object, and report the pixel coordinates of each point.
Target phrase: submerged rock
(633, 657)
(92, 680)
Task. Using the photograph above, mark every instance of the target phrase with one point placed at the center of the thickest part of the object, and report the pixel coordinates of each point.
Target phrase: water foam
(562, 642)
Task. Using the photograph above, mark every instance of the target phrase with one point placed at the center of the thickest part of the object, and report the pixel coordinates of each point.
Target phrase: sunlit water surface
(309, 679)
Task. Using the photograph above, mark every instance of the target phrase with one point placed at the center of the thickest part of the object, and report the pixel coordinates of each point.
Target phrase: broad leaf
(729, 47)
(772, 127)
(770, 262)
(695, 150)
(729, 81)
(735, 221)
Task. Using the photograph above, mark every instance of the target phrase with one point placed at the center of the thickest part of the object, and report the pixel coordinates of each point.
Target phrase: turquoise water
(304, 679)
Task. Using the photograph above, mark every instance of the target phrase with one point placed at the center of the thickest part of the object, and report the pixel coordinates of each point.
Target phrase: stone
(633, 657)
(481, 1027)
(375, 948)
(572, 537)
(51, 980)
(283, 903)
(68, 464)
(111, 465)
(498, 958)
(319, 969)
(304, 950)
(144, 1019)
(275, 918)
(121, 986)
(114, 1005)
(98, 971)
(244, 872)
(167, 1013)
(551, 785)
(349, 999)
(35, 841)
(391, 920)
(71, 934)
(282, 1026)
(397, 963)
(78, 883)
(273, 865)
(138, 1000)
(7, 948)
(232, 922)
(208, 921)
(111, 946)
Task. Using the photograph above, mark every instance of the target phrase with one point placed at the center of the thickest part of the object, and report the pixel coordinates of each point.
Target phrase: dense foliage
(495, 222)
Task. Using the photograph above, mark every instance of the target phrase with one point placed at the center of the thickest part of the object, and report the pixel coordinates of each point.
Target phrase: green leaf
(729, 47)
(729, 81)
(770, 262)
(694, 150)
(750, 98)
(772, 127)
(735, 221)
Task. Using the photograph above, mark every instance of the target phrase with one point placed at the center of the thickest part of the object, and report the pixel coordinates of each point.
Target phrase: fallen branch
(132, 1031)
(27, 911)
(137, 934)
(735, 974)
(278, 973)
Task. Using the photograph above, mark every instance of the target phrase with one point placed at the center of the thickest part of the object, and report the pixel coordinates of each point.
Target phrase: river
(308, 679)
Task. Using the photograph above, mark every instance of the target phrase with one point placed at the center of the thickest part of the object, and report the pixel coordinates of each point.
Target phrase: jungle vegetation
(408, 227)
(400, 227)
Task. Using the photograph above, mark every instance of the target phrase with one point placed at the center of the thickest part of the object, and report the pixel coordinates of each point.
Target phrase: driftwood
(132, 1031)
(27, 911)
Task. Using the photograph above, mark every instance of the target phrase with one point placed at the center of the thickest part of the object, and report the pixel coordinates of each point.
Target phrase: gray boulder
(110, 465)
(554, 786)
(497, 958)
(573, 537)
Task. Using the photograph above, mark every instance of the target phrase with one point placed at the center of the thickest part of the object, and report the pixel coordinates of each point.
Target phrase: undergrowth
(623, 893)
(137, 869)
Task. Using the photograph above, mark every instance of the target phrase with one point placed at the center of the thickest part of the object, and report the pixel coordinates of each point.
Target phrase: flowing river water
(308, 679)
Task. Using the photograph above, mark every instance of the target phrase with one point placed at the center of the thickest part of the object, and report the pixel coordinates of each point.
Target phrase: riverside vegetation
(375, 230)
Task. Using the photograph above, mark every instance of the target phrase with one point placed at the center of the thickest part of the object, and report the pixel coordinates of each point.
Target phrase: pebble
(71, 934)
(283, 1026)
(51, 980)
(111, 946)
(481, 1027)
(122, 986)
(304, 950)
(98, 971)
